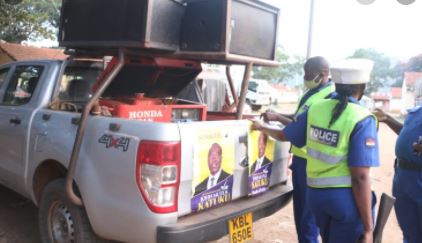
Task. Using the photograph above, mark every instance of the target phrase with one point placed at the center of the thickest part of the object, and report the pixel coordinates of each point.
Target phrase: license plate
(240, 228)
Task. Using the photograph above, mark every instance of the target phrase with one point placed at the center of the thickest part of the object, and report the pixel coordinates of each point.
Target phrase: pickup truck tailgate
(238, 149)
(212, 224)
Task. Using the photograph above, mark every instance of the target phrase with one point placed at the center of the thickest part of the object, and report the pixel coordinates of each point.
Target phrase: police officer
(319, 86)
(407, 182)
(342, 144)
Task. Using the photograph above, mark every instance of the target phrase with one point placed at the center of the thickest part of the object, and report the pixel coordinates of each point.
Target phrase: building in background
(411, 89)
(10, 52)
(381, 100)
(397, 102)
(401, 98)
(418, 92)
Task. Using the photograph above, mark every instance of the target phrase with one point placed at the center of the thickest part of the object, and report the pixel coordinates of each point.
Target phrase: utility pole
(310, 30)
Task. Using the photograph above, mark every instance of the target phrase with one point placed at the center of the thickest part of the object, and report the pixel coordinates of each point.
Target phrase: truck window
(3, 74)
(77, 82)
(75, 87)
(252, 86)
(22, 85)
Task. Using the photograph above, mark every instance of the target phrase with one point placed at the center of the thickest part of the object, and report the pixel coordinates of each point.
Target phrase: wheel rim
(60, 223)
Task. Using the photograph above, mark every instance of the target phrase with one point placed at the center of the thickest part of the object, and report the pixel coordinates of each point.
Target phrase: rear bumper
(212, 224)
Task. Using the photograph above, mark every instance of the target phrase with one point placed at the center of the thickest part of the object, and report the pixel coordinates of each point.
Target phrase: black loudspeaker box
(230, 27)
(151, 24)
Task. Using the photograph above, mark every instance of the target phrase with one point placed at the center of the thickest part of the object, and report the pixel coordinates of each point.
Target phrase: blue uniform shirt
(412, 129)
(360, 152)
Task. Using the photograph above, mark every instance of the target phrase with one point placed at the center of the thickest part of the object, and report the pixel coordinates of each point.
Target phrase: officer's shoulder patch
(370, 142)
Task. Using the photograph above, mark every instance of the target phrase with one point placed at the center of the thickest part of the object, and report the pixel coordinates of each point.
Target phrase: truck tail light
(157, 174)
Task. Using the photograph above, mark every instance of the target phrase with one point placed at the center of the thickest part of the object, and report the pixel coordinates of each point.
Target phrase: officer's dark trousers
(407, 188)
(306, 229)
(336, 214)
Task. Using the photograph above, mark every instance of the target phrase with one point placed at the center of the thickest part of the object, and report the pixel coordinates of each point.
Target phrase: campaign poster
(212, 180)
(261, 152)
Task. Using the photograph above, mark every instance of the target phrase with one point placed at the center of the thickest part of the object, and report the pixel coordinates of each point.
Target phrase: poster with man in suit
(217, 174)
(260, 169)
(213, 170)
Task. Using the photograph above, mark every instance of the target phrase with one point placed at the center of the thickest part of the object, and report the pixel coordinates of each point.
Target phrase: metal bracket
(244, 89)
(81, 129)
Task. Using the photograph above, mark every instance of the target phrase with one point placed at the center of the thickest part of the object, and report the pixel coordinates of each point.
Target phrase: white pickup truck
(258, 94)
(141, 155)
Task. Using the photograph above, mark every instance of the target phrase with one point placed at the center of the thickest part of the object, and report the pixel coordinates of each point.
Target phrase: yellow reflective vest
(327, 147)
(321, 94)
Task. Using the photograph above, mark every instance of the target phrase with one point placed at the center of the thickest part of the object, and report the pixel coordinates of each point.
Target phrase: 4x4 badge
(112, 142)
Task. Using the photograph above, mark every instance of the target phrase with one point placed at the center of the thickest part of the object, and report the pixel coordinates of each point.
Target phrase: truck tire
(61, 221)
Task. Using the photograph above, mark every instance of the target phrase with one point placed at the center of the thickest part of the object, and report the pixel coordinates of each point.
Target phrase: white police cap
(352, 71)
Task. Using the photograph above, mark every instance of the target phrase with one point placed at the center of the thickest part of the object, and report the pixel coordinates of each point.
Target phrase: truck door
(3, 77)
(16, 111)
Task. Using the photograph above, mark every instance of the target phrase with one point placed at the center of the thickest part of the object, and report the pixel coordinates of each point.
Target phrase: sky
(342, 26)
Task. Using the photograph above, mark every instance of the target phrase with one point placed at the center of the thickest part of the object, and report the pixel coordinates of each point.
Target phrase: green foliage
(49, 9)
(397, 74)
(415, 64)
(289, 68)
(28, 19)
(382, 73)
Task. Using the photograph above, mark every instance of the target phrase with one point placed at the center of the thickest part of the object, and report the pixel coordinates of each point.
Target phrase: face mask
(310, 84)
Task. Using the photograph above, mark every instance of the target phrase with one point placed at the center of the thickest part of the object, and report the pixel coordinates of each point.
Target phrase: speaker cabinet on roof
(224, 28)
(121, 23)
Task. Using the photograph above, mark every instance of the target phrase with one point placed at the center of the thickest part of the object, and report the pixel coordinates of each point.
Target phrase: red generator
(146, 87)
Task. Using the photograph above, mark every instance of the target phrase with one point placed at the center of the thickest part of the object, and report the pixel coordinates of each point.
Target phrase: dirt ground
(18, 216)
(280, 228)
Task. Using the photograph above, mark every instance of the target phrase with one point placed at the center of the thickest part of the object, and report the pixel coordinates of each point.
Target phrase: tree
(382, 73)
(415, 64)
(289, 68)
(398, 73)
(22, 20)
(49, 9)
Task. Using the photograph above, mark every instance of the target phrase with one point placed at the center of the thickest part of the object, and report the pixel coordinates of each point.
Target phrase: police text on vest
(324, 136)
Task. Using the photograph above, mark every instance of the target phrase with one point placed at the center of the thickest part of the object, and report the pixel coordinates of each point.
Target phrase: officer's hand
(367, 237)
(256, 125)
(380, 114)
(417, 147)
(269, 116)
